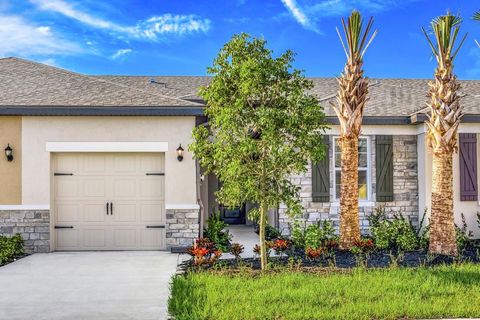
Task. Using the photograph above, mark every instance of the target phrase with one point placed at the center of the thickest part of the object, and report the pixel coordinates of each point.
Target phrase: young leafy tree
(263, 127)
(445, 112)
(350, 102)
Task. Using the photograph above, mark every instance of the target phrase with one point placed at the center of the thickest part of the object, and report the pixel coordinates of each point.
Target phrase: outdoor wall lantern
(180, 153)
(9, 153)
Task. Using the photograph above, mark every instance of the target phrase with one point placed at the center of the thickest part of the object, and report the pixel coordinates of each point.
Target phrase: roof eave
(99, 111)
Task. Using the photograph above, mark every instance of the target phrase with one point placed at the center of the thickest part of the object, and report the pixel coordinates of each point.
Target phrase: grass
(444, 291)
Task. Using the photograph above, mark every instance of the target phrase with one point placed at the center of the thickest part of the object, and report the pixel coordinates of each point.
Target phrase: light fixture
(9, 153)
(180, 153)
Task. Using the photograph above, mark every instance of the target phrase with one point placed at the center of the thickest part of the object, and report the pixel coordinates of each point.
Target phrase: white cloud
(309, 12)
(21, 37)
(155, 28)
(171, 24)
(121, 53)
(298, 14)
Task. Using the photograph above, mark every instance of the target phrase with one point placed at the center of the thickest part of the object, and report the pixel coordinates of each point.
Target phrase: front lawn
(406, 293)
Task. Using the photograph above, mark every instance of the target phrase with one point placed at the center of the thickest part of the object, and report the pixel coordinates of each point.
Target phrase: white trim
(361, 203)
(399, 130)
(107, 146)
(25, 207)
(368, 171)
(187, 206)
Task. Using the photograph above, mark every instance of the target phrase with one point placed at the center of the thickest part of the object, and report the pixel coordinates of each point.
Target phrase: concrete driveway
(87, 285)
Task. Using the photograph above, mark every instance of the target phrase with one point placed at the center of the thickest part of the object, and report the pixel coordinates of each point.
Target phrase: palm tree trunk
(442, 225)
(349, 217)
(261, 235)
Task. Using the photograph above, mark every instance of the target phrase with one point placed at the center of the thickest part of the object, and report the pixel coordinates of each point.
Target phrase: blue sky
(181, 37)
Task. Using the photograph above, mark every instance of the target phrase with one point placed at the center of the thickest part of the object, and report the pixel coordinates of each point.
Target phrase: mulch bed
(347, 260)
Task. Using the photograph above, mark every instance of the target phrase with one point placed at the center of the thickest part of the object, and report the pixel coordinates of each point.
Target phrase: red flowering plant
(280, 246)
(204, 252)
(268, 245)
(314, 253)
(237, 249)
(363, 246)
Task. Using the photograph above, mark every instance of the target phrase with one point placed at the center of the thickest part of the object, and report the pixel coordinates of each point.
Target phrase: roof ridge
(144, 91)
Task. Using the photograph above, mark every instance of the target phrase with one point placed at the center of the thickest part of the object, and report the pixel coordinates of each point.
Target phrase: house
(101, 162)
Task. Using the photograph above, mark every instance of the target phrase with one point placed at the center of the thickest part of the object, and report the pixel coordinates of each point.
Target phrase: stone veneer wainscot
(32, 225)
(182, 227)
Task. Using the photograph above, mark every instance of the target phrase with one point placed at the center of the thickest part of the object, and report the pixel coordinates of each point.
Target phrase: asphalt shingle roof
(26, 83)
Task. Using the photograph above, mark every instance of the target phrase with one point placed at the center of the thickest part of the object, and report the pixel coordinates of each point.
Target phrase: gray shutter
(468, 167)
(321, 176)
(384, 168)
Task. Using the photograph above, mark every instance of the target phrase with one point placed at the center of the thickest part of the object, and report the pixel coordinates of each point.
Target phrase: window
(364, 168)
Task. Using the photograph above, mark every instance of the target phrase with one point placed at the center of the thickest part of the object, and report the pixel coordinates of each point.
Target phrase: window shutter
(321, 176)
(468, 167)
(384, 168)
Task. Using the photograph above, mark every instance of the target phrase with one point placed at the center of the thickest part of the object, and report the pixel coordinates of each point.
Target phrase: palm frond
(357, 38)
(476, 16)
(445, 31)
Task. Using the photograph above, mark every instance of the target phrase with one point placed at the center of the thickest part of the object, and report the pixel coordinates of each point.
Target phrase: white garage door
(109, 201)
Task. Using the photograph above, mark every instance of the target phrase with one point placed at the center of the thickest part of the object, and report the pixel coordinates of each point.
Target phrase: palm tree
(444, 114)
(350, 102)
(476, 16)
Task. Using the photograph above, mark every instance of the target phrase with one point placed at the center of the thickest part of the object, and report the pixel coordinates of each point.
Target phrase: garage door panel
(151, 164)
(124, 187)
(68, 239)
(67, 163)
(125, 212)
(94, 237)
(125, 164)
(94, 212)
(153, 238)
(66, 212)
(93, 188)
(152, 212)
(151, 187)
(66, 187)
(125, 238)
(94, 163)
(80, 201)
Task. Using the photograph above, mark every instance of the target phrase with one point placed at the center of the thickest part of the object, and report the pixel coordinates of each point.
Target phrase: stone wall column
(182, 227)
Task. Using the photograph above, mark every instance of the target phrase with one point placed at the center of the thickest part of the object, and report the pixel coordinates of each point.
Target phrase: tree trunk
(442, 225)
(261, 234)
(349, 217)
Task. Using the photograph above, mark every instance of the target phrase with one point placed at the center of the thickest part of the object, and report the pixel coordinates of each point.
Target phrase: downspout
(199, 200)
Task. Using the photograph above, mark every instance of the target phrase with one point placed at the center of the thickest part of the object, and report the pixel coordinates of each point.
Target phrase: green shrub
(297, 235)
(463, 235)
(397, 234)
(10, 248)
(313, 236)
(215, 232)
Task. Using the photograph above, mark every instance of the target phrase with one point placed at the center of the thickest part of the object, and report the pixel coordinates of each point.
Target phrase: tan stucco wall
(11, 172)
(468, 208)
(180, 179)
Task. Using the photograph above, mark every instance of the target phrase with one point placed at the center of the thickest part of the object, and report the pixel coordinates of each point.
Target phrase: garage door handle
(63, 227)
(156, 227)
(155, 174)
(111, 208)
(62, 174)
(107, 208)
